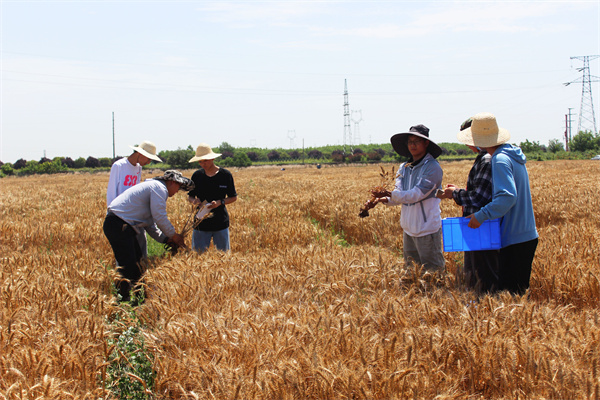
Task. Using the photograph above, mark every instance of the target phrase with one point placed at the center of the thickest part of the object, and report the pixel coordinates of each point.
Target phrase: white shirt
(123, 175)
(145, 206)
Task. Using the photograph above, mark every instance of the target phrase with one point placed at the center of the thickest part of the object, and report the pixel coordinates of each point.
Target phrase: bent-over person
(141, 208)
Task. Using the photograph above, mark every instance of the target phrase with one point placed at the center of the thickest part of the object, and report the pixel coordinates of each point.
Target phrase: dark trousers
(515, 266)
(122, 239)
(481, 270)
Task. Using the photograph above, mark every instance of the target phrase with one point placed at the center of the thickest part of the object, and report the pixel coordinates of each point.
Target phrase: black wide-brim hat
(401, 147)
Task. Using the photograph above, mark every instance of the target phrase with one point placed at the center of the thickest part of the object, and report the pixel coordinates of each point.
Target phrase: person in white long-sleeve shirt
(127, 172)
(416, 184)
(142, 208)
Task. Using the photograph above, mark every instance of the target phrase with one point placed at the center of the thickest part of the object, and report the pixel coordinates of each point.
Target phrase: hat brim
(185, 184)
(209, 156)
(145, 153)
(471, 138)
(401, 147)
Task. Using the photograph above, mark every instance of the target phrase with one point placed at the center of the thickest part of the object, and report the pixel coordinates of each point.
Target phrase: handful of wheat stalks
(379, 191)
(198, 214)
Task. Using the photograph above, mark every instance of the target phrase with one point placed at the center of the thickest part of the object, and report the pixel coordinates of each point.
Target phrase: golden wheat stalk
(198, 214)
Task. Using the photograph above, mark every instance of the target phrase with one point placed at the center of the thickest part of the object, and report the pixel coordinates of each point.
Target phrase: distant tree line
(583, 145)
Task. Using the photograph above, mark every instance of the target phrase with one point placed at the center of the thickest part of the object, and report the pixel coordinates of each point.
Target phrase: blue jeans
(201, 240)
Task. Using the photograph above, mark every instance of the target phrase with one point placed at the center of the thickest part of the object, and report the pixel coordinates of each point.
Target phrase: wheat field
(312, 302)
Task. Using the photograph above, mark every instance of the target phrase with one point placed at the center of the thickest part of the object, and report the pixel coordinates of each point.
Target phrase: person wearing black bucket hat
(416, 184)
(140, 208)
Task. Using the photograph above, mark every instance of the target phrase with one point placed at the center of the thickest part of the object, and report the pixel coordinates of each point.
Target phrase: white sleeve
(113, 183)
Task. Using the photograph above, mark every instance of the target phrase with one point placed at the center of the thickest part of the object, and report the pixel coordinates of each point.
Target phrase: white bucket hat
(204, 152)
(484, 132)
(147, 149)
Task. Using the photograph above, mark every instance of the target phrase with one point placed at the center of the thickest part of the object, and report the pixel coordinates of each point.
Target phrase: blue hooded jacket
(512, 197)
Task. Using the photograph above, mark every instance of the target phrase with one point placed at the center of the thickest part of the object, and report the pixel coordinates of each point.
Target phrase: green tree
(226, 147)
(240, 159)
(530, 147)
(79, 163)
(7, 169)
(555, 145)
(584, 141)
(179, 158)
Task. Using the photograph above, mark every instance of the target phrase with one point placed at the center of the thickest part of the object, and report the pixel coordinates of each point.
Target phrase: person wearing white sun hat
(511, 201)
(216, 186)
(127, 172)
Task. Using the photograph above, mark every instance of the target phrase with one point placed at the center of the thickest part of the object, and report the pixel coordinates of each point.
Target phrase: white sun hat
(484, 132)
(204, 152)
(147, 149)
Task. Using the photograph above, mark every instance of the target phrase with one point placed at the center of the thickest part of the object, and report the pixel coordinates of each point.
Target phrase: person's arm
(158, 208)
(482, 191)
(113, 182)
(505, 190)
(429, 181)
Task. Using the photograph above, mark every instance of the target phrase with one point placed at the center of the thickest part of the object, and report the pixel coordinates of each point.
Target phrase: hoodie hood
(514, 152)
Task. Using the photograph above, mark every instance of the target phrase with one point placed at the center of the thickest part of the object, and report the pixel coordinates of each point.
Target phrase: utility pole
(113, 121)
(587, 117)
(566, 133)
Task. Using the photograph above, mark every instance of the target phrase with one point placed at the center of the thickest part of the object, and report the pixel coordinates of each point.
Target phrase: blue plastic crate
(459, 237)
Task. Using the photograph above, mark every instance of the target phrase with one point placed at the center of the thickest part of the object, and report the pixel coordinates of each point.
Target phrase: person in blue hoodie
(511, 201)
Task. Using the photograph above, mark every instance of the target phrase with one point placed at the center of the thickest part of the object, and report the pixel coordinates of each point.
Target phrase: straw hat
(204, 152)
(176, 176)
(484, 132)
(147, 149)
(401, 147)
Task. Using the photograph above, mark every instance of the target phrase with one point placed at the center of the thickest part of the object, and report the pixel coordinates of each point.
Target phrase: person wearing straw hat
(127, 172)
(416, 184)
(142, 208)
(511, 201)
(480, 267)
(216, 186)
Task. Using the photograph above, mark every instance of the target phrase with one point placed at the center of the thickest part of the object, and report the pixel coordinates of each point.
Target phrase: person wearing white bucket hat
(216, 186)
(127, 172)
(511, 201)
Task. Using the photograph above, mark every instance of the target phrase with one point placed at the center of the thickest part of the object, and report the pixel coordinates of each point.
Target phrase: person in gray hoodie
(511, 201)
(416, 183)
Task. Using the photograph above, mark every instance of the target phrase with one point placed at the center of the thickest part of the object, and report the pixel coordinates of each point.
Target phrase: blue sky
(255, 73)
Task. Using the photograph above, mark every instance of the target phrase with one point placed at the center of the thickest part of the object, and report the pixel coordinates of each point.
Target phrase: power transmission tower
(347, 131)
(356, 127)
(587, 117)
(291, 136)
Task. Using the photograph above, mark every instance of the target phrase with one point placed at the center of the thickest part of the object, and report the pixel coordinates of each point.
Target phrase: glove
(171, 246)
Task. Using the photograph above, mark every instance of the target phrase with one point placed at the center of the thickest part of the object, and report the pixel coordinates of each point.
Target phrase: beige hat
(204, 152)
(484, 132)
(147, 149)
